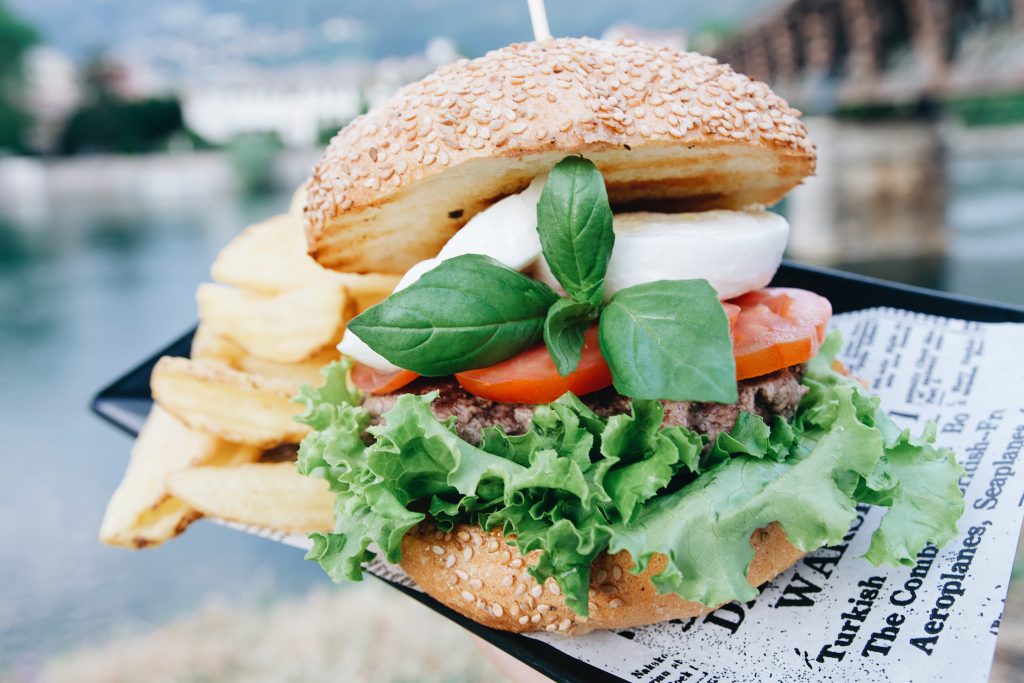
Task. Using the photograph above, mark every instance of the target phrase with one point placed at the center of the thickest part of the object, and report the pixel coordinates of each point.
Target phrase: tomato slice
(374, 381)
(777, 327)
(732, 312)
(531, 376)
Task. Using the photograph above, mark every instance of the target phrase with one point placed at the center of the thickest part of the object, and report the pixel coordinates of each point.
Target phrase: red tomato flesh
(374, 381)
(732, 312)
(776, 328)
(531, 376)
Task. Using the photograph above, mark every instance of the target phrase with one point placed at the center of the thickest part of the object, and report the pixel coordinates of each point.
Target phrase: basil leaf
(563, 332)
(574, 221)
(468, 312)
(669, 340)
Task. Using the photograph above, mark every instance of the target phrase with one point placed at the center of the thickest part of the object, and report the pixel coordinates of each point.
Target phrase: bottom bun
(479, 575)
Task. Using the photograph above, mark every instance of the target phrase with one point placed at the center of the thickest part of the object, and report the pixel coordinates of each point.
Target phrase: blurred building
(826, 55)
(51, 94)
(300, 103)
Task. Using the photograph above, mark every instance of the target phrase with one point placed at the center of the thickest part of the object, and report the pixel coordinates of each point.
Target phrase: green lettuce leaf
(576, 484)
(705, 528)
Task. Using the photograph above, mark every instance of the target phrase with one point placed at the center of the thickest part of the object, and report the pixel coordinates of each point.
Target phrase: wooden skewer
(539, 19)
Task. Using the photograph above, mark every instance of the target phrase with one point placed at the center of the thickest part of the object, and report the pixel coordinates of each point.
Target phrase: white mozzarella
(356, 349)
(506, 231)
(736, 251)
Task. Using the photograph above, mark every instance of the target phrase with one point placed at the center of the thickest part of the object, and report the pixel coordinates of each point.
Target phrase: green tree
(15, 38)
(106, 122)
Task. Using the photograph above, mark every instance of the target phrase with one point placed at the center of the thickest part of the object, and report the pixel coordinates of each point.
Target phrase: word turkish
(854, 619)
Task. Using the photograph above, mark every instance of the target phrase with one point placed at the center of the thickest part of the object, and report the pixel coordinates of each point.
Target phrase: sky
(269, 32)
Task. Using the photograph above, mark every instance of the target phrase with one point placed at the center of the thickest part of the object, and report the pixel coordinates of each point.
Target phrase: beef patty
(767, 396)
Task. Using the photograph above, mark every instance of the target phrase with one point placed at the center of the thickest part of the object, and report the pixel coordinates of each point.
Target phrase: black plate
(126, 402)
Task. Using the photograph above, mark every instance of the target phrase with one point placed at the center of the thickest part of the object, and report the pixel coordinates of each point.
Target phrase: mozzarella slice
(356, 349)
(736, 251)
(506, 231)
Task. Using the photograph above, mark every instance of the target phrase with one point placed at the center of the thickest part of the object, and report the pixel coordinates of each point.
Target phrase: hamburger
(582, 407)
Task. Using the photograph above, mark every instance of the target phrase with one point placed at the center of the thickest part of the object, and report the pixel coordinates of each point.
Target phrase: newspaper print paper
(834, 616)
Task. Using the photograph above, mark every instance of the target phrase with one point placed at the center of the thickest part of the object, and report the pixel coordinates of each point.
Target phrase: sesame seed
(438, 550)
(524, 620)
(550, 627)
(467, 553)
(615, 603)
(476, 583)
(617, 573)
(449, 561)
(592, 605)
(535, 618)
(554, 588)
(497, 610)
(565, 624)
(520, 589)
(468, 597)
(601, 576)
(461, 574)
(492, 545)
(508, 580)
(516, 563)
(536, 591)
(543, 607)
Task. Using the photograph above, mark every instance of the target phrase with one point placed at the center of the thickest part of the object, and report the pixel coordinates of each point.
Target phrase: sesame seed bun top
(667, 128)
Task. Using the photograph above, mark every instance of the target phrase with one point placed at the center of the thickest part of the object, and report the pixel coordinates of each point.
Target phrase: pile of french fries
(213, 444)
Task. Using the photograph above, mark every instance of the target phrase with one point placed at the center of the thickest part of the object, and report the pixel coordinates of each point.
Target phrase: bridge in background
(827, 55)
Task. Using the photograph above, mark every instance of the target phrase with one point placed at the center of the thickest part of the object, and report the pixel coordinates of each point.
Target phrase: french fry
(141, 512)
(286, 328)
(271, 257)
(207, 345)
(236, 406)
(306, 372)
(271, 496)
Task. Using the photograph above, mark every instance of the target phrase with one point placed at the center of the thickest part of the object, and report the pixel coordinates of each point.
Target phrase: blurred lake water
(86, 291)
